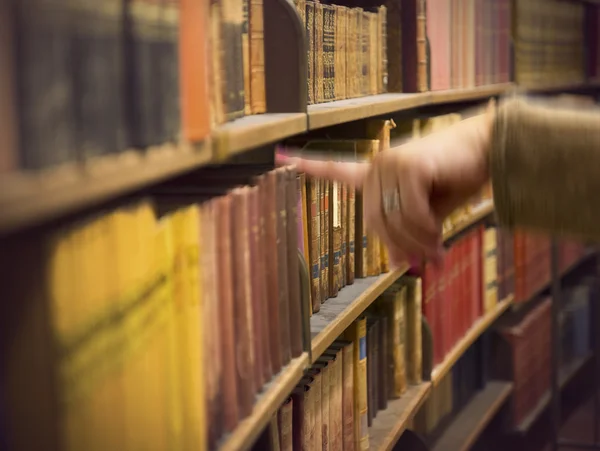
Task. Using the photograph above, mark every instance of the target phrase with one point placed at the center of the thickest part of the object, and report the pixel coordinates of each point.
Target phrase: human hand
(409, 190)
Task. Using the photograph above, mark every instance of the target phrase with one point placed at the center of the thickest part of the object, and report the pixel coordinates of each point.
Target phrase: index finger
(350, 173)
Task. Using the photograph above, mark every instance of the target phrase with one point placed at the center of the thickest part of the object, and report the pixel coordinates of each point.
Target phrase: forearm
(545, 168)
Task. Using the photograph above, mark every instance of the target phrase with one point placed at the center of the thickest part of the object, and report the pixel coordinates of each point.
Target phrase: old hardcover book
(341, 76)
(317, 387)
(215, 65)
(258, 101)
(382, 364)
(226, 310)
(324, 365)
(310, 43)
(314, 235)
(319, 61)
(258, 337)
(372, 364)
(9, 137)
(246, 55)
(393, 303)
(294, 307)
(309, 411)
(44, 139)
(365, 52)
(413, 330)
(335, 239)
(383, 52)
(394, 38)
(282, 264)
(99, 119)
(348, 396)
(374, 53)
(335, 398)
(232, 16)
(329, 52)
(357, 333)
(243, 303)
(323, 223)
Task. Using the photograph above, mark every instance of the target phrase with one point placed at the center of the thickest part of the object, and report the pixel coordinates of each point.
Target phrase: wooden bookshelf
(478, 213)
(467, 94)
(338, 313)
(267, 404)
(566, 374)
(389, 424)
(478, 328)
(29, 198)
(463, 431)
(254, 131)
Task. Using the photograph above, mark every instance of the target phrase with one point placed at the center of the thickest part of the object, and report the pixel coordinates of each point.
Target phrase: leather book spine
(329, 53)
(382, 361)
(314, 234)
(256, 297)
(226, 310)
(323, 241)
(348, 396)
(232, 15)
(317, 388)
(243, 307)
(319, 57)
(414, 363)
(340, 77)
(282, 265)
(294, 307)
(271, 214)
(351, 236)
(310, 43)
(246, 55)
(257, 93)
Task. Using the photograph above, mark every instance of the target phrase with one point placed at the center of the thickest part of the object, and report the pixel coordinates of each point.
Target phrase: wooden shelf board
(338, 112)
(338, 313)
(566, 374)
(389, 424)
(257, 130)
(26, 199)
(478, 213)
(480, 326)
(461, 95)
(471, 421)
(267, 404)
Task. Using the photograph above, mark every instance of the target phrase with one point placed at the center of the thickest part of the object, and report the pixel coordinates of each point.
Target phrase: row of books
(549, 42)
(346, 50)
(374, 361)
(176, 301)
(469, 43)
(453, 294)
(524, 262)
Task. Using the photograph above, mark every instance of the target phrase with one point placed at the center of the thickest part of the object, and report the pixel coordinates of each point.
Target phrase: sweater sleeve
(545, 168)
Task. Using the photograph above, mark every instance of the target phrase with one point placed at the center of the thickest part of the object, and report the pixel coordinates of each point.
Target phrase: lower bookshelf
(267, 403)
(478, 328)
(463, 431)
(339, 312)
(388, 426)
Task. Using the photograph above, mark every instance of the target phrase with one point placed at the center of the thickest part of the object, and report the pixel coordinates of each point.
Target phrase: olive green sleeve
(545, 168)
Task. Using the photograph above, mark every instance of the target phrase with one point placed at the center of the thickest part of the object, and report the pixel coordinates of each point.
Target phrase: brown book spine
(271, 215)
(335, 407)
(422, 62)
(335, 245)
(348, 397)
(257, 93)
(226, 309)
(243, 303)
(319, 57)
(267, 330)
(374, 53)
(344, 236)
(371, 369)
(294, 308)
(351, 231)
(298, 418)
(317, 387)
(325, 404)
(216, 70)
(414, 367)
(282, 260)
(365, 53)
(382, 385)
(308, 418)
(329, 36)
(314, 234)
(255, 294)
(246, 55)
(310, 43)
(233, 78)
(383, 60)
(323, 241)
(340, 52)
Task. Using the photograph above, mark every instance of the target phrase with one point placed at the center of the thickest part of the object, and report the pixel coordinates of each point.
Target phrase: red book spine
(428, 308)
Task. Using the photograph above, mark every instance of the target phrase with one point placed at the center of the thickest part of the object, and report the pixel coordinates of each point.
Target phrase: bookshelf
(463, 431)
(389, 424)
(480, 326)
(267, 403)
(477, 214)
(339, 312)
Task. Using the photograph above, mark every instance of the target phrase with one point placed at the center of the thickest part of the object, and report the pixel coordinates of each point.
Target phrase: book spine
(284, 420)
(348, 396)
(282, 265)
(314, 232)
(246, 56)
(329, 53)
(319, 65)
(310, 43)
(257, 90)
(232, 27)
(294, 309)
